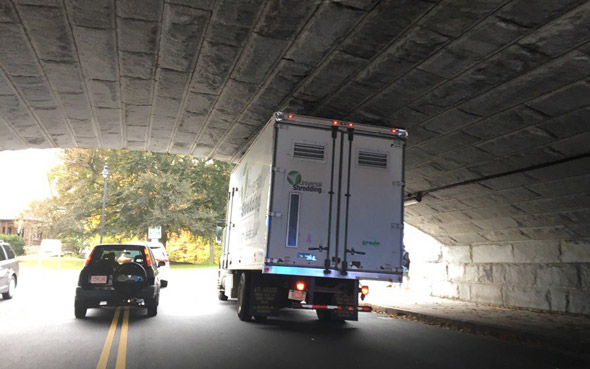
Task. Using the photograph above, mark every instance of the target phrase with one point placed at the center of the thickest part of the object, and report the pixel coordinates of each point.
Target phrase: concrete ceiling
(483, 86)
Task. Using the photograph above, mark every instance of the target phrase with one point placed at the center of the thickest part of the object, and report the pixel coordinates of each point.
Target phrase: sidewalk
(565, 332)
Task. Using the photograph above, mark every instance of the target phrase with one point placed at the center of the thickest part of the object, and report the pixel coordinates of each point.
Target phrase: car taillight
(147, 257)
(300, 286)
(89, 257)
(365, 290)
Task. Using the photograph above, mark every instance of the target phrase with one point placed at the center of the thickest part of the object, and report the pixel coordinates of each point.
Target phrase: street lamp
(105, 175)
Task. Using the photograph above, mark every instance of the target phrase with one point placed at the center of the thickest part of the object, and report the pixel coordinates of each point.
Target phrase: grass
(66, 263)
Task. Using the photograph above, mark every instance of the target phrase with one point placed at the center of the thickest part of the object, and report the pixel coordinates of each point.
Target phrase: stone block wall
(549, 275)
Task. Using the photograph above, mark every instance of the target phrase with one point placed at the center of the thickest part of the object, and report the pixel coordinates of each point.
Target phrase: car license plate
(98, 279)
(296, 295)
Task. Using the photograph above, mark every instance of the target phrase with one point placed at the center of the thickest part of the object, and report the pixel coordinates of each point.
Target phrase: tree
(17, 243)
(144, 189)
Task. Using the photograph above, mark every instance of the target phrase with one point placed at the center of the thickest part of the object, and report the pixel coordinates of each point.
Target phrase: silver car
(8, 271)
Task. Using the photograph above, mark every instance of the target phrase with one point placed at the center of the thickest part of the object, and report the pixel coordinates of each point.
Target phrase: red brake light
(365, 290)
(394, 131)
(335, 122)
(350, 124)
(290, 116)
(300, 286)
(147, 257)
(89, 257)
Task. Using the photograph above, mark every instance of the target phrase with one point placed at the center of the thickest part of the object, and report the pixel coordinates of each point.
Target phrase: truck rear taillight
(335, 122)
(290, 116)
(365, 290)
(300, 286)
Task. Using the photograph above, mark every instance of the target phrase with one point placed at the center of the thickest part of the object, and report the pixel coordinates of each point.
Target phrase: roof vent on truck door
(308, 151)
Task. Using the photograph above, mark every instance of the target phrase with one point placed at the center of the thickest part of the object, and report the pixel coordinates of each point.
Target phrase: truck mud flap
(265, 296)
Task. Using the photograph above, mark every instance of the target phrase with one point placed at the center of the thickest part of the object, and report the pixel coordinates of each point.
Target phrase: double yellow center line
(122, 351)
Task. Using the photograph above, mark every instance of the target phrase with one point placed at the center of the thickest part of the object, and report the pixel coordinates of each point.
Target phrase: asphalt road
(195, 330)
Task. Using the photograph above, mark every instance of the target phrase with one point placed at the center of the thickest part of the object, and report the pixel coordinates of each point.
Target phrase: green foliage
(17, 243)
(144, 189)
(187, 248)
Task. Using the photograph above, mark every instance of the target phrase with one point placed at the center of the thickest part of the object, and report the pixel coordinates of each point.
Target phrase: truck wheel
(221, 296)
(11, 287)
(244, 298)
(79, 310)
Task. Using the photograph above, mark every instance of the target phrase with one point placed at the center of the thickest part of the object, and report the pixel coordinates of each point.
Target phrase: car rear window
(119, 254)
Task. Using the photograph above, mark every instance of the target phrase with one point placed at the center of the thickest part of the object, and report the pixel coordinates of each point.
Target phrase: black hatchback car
(118, 275)
(8, 270)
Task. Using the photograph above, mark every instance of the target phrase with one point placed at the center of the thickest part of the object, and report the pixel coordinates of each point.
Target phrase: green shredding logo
(294, 178)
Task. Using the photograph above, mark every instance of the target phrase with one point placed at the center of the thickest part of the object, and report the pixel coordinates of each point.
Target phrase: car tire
(152, 310)
(221, 295)
(80, 310)
(244, 298)
(163, 284)
(11, 287)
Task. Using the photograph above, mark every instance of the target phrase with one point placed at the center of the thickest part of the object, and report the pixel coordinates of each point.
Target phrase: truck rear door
(300, 231)
(371, 218)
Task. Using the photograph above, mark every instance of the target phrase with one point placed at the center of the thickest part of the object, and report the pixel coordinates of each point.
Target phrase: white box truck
(314, 206)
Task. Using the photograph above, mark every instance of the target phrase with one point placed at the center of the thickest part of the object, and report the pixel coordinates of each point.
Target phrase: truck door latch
(353, 251)
(319, 248)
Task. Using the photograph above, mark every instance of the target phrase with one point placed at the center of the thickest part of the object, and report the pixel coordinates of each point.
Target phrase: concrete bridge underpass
(495, 95)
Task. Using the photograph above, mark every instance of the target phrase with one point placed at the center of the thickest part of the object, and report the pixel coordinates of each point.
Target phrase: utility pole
(105, 175)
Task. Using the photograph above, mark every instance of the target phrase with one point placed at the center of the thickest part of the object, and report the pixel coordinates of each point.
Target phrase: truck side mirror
(161, 263)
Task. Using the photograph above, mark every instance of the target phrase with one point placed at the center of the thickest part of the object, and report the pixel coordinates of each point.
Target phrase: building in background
(29, 229)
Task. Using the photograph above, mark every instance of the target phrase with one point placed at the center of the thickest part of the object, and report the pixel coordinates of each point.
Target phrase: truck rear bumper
(320, 272)
(367, 309)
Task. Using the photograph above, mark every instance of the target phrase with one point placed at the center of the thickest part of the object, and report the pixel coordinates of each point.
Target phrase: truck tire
(328, 316)
(244, 298)
(79, 310)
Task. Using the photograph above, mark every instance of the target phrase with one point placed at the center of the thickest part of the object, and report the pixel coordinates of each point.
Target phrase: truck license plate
(296, 295)
(98, 279)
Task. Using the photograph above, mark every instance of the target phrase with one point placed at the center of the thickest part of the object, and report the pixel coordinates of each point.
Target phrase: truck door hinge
(278, 170)
(397, 226)
(399, 183)
(277, 214)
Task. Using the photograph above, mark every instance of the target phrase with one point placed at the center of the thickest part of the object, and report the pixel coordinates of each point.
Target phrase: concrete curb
(561, 342)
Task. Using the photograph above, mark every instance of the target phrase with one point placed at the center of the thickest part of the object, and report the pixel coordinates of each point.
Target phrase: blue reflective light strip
(319, 272)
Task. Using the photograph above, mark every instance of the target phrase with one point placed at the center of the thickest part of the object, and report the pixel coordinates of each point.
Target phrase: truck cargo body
(318, 202)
